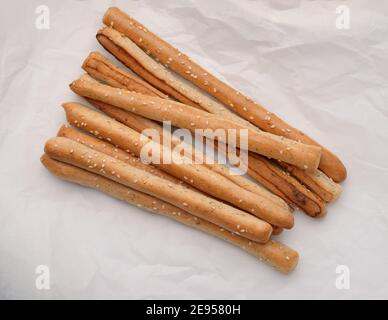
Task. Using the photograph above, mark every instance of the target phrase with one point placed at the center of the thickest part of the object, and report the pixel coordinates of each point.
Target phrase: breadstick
(112, 151)
(129, 61)
(318, 182)
(283, 185)
(274, 253)
(153, 72)
(109, 149)
(234, 220)
(245, 107)
(194, 174)
(301, 155)
(99, 67)
(139, 124)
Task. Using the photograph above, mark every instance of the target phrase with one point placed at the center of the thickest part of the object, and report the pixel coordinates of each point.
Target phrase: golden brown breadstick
(318, 182)
(301, 155)
(245, 107)
(276, 254)
(101, 68)
(139, 124)
(121, 55)
(112, 151)
(283, 185)
(198, 176)
(234, 220)
(194, 174)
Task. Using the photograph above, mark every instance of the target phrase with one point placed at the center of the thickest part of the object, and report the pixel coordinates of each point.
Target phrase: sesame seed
(272, 126)
(184, 204)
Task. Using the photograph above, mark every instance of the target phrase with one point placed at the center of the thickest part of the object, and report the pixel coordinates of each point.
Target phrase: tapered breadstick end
(284, 258)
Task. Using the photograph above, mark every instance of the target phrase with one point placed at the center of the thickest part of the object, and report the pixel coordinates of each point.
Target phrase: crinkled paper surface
(288, 55)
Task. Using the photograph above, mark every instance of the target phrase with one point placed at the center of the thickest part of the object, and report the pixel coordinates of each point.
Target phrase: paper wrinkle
(288, 56)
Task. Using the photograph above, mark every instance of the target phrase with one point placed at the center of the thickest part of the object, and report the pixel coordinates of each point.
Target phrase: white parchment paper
(288, 55)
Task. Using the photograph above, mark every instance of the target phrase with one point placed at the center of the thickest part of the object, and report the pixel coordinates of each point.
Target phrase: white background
(289, 56)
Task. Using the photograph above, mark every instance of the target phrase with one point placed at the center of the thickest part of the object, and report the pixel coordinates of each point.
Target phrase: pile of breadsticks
(102, 148)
